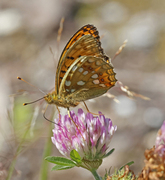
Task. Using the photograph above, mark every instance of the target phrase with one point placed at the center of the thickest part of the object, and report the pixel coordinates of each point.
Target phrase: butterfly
(83, 72)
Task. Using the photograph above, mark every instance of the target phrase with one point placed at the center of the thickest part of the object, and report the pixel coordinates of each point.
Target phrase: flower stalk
(96, 176)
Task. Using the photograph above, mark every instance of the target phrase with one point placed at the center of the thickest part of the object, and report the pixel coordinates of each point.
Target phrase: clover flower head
(89, 135)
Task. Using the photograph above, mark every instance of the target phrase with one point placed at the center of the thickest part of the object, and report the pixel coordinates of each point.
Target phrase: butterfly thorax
(53, 98)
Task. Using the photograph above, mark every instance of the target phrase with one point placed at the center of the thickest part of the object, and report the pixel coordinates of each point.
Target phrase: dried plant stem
(11, 168)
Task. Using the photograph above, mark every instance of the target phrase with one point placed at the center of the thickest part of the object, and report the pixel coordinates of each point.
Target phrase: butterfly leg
(86, 106)
(75, 123)
(59, 114)
(47, 118)
(71, 118)
(89, 111)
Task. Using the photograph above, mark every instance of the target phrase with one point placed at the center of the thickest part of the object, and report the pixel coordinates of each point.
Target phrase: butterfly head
(51, 98)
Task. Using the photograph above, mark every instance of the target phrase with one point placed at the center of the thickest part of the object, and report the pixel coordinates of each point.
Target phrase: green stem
(97, 177)
(47, 151)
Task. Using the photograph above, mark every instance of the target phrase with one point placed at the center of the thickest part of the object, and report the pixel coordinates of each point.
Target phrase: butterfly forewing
(85, 30)
(87, 77)
(83, 43)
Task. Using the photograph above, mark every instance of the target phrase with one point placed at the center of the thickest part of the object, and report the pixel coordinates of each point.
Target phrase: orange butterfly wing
(85, 42)
(88, 77)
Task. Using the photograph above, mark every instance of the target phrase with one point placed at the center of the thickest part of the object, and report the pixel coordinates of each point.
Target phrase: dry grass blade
(120, 49)
(60, 30)
(109, 95)
(129, 93)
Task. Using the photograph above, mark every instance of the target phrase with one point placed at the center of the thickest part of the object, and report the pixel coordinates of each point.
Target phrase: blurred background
(27, 31)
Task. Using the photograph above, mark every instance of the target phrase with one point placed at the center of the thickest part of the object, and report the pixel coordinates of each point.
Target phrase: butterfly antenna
(31, 85)
(24, 104)
(120, 49)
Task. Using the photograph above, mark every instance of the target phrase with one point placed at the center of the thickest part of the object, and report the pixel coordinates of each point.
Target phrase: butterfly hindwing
(87, 77)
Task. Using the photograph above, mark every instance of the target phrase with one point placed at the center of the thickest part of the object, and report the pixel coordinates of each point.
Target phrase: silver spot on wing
(80, 69)
(94, 76)
(85, 72)
(96, 81)
(67, 83)
(80, 83)
(102, 85)
(72, 90)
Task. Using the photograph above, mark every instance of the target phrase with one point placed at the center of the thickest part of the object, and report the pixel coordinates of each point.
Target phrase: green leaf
(109, 153)
(59, 167)
(74, 155)
(129, 164)
(60, 161)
